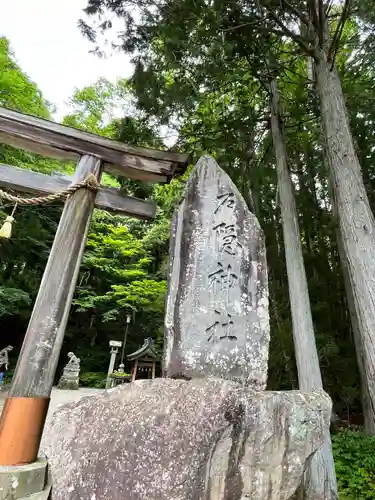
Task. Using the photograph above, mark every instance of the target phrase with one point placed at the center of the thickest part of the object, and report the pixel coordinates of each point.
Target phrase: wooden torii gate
(23, 417)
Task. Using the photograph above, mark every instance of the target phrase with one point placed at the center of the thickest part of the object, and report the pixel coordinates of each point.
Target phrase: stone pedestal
(69, 378)
(204, 439)
(25, 482)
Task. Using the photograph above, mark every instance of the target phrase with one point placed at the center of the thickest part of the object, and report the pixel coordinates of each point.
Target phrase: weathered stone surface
(204, 439)
(17, 482)
(217, 304)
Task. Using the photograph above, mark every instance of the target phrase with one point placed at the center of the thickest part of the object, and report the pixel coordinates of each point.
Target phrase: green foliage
(93, 107)
(115, 272)
(148, 294)
(12, 301)
(93, 379)
(354, 455)
(16, 90)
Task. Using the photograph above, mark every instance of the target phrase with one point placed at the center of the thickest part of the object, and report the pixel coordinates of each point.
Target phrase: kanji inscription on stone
(225, 200)
(221, 327)
(216, 321)
(223, 277)
(227, 236)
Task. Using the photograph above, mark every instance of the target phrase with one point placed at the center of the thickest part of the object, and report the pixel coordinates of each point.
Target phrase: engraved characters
(223, 324)
(222, 278)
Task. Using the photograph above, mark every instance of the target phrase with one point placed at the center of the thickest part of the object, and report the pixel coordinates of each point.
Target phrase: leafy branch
(338, 33)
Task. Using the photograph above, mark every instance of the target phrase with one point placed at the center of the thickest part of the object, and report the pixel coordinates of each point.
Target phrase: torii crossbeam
(25, 410)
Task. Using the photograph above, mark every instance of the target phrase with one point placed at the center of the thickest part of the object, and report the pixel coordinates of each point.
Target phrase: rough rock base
(207, 439)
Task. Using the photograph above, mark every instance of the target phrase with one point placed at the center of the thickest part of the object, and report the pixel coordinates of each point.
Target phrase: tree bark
(320, 478)
(356, 225)
(353, 317)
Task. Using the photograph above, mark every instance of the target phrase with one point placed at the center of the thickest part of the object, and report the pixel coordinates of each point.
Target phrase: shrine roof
(148, 348)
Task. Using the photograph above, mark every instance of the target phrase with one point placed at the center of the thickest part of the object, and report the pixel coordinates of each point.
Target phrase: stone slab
(17, 482)
(204, 439)
(217, 321)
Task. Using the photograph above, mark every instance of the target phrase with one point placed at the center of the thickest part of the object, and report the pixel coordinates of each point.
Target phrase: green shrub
(354, 455)
(93, 379)
(117, 374)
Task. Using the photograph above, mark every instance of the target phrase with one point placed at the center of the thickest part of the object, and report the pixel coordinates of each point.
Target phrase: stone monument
(70, 376)
(209, 431)
(217, 320)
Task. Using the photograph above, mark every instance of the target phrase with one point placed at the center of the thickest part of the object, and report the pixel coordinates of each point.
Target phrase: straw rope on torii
(6, 229)
(90, 183)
